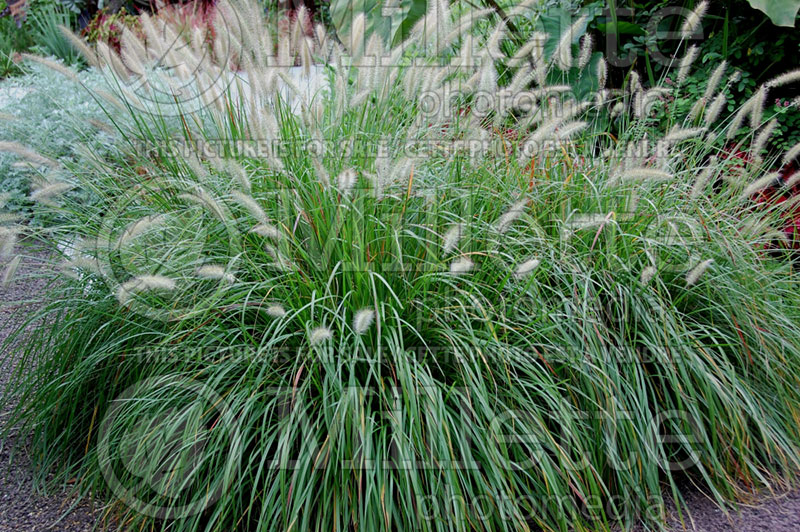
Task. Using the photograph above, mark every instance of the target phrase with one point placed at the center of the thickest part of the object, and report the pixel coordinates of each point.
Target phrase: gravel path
(24, 510)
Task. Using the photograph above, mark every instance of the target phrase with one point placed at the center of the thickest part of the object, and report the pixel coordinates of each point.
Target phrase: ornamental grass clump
(350, 308)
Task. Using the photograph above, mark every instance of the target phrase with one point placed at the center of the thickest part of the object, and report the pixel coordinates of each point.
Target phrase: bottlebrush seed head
(692, 22)
(144, 283)
(11, 270)
(451, 238)
(276, 311)
(695, 273)
(461, 266)
(525, 269)
(647, 274)
(363, 320)
(320, 335)
(252, 206)
(686, 64)
(215, 272)
(346, 181)
(505, 221)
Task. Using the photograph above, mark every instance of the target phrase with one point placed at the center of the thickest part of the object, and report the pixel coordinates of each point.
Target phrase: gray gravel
(22, 509)
(771, 514)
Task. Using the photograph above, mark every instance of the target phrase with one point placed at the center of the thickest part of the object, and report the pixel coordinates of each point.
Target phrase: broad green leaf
(554, 23)
(780, 12)
(390, 19)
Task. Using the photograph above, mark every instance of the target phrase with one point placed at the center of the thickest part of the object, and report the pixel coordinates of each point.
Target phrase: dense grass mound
(403, 319)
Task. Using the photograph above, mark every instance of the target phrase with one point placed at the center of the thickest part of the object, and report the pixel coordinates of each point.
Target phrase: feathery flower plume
(695, 273)
(111, 59)
(714, 80)
(686, 63)
(791, 182)
(320, 171)
(319, 335)
(521, 80)
(692, 22)
(52, 65)
(139, 227)
(545, 131)
(571, 128)
(533, 49)
(713, 111)
(301, 21)
(638, 104)
(761, 183)
(516, 210)
(698, 106)
(46, 193)
(524, 269)
(563, 52)
(678, 134)
(193, 162)
(81, 46)
(110, 98)
(346, 180)
(634, 83)
(704, 177)
(642, 174)
(8, 240)
(102, 126)
(357, 32)
(81, 262)
(738, 119)
(492, 45)
(215, 272)
(461, 265)
(791, 155)
(585, 54)
(27, 154)
(759, 100)
(252, 206)
(636, 153)
(602, 72)
(784, 79)
(11, 270)
(305, 57)
(267, 230)
(436, 22)
(487, 78)
(647, 274)
(586, 221)
(276, 311)
(761, 140)
(133, 53)
(239, 174)
(8, 217)
(601, 97)
(363, 320)
(144, 283)
(280, 261)
(200, 196)
(297, 92)
(451, 238)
